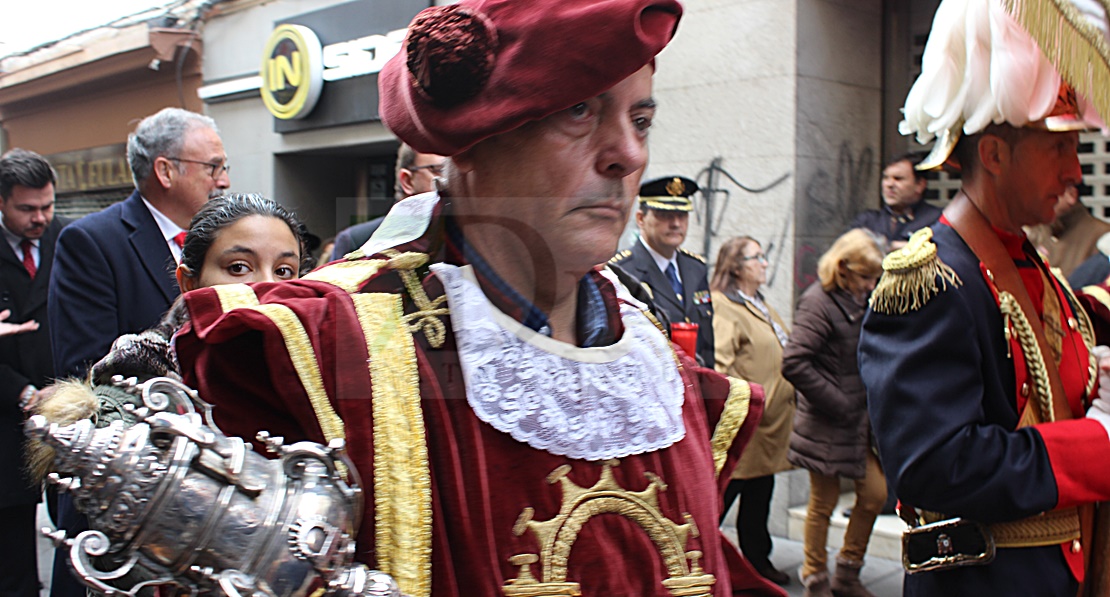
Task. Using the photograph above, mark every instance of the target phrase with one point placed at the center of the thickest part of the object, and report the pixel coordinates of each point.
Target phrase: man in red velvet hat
(519, 424)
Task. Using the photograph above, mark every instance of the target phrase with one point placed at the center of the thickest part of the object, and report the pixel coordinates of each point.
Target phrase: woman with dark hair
(235, 238)
(749, 338)
(832, 433)
(240, 239)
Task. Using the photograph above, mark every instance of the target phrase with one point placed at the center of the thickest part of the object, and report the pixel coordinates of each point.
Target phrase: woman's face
(253, 249)
(751, 268)
(858, 282)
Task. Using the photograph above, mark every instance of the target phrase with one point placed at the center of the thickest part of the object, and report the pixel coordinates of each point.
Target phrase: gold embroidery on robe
(402, 478)
(732, 418)
(348, 275)
(556, 537)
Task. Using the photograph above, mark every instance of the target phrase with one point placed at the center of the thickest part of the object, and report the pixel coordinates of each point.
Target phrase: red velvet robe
(481, 479)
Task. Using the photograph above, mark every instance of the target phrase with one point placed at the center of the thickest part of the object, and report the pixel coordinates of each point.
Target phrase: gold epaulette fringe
(692, 254)
(912, 276)
(1071, 43)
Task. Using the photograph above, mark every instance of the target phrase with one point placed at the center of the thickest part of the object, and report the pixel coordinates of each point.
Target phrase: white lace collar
(588, 403)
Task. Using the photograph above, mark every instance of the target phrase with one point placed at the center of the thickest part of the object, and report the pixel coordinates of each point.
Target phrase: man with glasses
(676, 277)
(415, 173)
(113, 270)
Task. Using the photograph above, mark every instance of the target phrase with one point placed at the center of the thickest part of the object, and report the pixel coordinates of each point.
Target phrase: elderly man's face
(203, 175)
(572, 177)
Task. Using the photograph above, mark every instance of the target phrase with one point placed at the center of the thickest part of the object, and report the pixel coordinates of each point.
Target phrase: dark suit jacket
(695, 306)
(24, 359)
(354, 237)
(113, 275)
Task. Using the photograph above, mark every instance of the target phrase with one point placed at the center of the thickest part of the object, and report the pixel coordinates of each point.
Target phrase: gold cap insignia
(675, 188)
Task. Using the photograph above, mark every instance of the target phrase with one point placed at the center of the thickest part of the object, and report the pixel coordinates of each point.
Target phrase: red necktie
(180, 239)
(28, 259)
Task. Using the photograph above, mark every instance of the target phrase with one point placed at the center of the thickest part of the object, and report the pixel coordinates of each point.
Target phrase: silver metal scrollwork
(174, 502)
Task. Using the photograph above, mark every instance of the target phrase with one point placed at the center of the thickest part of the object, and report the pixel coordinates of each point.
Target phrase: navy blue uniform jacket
(942, 394)
(695, 306)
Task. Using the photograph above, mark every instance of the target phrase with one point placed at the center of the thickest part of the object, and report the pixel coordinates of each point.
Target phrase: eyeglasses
(217, 168)
(759, 256)
(435, 169)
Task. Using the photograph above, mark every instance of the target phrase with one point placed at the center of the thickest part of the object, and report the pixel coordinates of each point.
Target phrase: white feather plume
(941, 71)
(980, 66)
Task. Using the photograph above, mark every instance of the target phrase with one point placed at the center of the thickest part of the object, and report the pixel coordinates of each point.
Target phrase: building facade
(75, 100)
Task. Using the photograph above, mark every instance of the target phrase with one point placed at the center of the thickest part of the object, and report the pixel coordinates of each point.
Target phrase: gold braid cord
(556, 537)
(912, 276)
(1077, 49)
(1086, 330)
(1034, 360)
(426, 318)
(732, 418)
(402, 479)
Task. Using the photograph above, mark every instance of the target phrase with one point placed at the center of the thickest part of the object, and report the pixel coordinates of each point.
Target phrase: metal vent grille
(76, 206)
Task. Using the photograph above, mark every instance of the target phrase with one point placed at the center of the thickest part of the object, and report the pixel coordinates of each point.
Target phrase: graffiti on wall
(832, 200)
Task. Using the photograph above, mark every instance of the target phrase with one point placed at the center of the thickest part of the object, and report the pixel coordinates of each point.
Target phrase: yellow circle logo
(292, 72)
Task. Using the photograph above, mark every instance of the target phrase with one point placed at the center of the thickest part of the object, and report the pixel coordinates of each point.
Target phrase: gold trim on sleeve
(1099, 294)
(348, 275)
(235, 296)
(736, 412)
(402, 481)
(299, 347)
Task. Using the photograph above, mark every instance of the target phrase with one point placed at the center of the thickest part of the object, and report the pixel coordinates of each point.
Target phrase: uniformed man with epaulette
(677, 278)
(978, 362)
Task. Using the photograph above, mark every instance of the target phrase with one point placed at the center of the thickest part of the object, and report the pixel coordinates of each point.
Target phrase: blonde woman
(832, 433)
(749, 339)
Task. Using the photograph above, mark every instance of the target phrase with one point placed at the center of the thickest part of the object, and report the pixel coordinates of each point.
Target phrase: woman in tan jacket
(750, 337)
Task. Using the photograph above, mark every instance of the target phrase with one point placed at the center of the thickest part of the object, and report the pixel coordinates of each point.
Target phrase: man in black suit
(30, 229)
(676, 277)
(415, 173)
(114, 270)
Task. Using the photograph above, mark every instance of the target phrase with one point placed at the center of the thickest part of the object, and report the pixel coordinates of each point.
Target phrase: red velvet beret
(478, 68)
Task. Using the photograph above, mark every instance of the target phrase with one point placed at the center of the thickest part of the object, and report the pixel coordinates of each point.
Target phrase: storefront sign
(96, 169)
(292, 72)
(319, 69)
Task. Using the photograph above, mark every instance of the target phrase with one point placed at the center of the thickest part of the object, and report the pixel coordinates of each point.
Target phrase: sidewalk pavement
(881, 576)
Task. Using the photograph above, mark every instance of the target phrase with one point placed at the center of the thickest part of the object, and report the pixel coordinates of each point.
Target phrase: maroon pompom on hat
(478, 68)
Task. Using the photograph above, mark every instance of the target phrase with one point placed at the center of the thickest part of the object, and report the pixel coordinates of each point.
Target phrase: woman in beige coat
(750, 337)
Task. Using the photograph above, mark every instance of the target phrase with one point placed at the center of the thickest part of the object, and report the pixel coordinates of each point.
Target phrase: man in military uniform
(519, 425)
(677, 278)
(978, 362)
